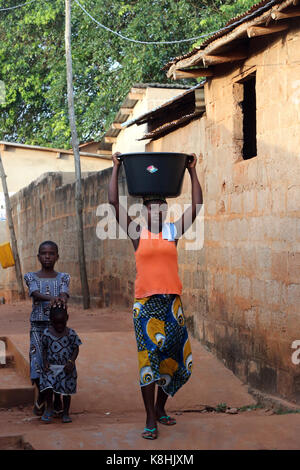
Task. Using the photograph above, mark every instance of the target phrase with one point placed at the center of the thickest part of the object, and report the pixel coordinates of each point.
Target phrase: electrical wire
(271, 2)
(267, 5)
(17, 6)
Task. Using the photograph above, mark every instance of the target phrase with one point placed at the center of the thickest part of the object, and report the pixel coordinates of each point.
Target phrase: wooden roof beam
(135, 96)
(222, 59)
(193, 73)
(116, 125)
(110, 140)
(255, 31)
(280, 15)
(126, 111)
(138, 91)
(104, 152)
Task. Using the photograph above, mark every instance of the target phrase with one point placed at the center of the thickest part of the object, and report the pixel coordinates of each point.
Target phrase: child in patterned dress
(60, 350)
(46, 287)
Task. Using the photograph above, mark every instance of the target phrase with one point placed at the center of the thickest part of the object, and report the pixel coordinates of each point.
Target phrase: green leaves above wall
(32, 60)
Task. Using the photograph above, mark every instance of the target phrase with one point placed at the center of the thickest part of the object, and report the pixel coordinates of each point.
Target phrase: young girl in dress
(60, 350)
(46, 287)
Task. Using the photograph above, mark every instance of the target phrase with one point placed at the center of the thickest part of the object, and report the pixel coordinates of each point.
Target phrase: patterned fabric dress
(39, 318)
(59, 350)
(164, 350)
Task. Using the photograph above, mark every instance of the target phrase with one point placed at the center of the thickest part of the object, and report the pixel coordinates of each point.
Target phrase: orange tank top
(156, 266)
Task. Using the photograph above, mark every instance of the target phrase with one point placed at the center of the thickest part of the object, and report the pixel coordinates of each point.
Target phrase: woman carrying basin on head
(164, 351)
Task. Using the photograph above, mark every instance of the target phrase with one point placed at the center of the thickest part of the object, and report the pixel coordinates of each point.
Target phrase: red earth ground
(107, 410)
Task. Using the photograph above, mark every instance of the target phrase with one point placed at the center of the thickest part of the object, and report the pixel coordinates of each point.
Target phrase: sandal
(57, 413)
(167, 420)
(57, 406)
(38, 410)
(47, 417)
(150, 433)
(66, 419)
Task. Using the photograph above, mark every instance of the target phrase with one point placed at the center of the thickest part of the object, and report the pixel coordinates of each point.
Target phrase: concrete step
(7, 361)
(14, 389)
(7, 358)
(13, 442)
(20, 353)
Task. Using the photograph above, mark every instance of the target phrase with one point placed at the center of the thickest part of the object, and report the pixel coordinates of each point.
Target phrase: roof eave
(238, 32)
(4, 144)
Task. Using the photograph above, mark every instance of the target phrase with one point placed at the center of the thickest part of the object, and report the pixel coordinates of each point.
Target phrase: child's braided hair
(57, 310)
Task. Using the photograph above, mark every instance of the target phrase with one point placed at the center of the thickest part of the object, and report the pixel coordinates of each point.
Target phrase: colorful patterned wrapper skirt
(164, 350)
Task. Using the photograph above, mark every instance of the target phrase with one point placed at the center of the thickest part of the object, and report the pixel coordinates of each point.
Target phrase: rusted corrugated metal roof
(170, 126)
(178, 58)
(254, 9)
(84, 144)
(158, 85)
(6, 145)
(128, 104)
(146, 116)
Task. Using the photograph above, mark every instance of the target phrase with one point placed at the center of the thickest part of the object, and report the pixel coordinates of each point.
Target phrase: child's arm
(38, 296)
(64, 289)
(63, 298)
(71, 362)
(76, 342)
(75, 354)
(34, 292)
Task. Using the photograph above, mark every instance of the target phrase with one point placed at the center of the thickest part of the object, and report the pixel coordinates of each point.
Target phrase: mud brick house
(242, 289)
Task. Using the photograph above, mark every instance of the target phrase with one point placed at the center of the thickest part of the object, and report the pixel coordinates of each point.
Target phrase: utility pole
(75, 146)
(13, 239)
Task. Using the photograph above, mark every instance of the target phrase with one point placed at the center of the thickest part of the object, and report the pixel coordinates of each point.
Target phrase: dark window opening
(249, 118)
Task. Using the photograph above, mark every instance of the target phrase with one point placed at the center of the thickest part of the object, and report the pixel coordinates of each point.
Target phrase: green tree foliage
(32, 59)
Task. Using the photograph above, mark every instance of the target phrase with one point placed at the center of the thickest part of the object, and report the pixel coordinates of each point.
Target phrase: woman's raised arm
(190, 214)
(113, 198)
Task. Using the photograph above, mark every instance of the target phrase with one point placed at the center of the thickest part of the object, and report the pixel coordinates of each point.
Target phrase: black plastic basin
(149, 173)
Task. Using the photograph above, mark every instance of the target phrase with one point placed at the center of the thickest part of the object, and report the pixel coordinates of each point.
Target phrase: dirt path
(108, 412)
(14, 318)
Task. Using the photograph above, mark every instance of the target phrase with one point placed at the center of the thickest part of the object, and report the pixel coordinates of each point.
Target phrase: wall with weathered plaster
(46, 210)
